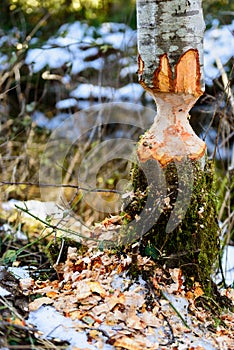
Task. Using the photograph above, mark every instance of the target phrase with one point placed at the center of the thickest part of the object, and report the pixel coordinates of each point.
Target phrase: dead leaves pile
(96, 290)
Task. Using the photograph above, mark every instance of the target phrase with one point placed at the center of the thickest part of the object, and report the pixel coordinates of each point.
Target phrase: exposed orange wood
(171, 137)
(163, 75)
(177, 143)
(140, 65)
(187, 74)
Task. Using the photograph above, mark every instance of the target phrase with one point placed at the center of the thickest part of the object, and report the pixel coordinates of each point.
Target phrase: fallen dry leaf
(132, 320)
(96, 287)
(82, 290)
(96, 290)
(198, 292)
(34, 305)
(129, 343)
(26, 284)
(150, 319)
(52, 294)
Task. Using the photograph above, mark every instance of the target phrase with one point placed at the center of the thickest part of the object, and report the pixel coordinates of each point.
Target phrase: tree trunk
(173, 181)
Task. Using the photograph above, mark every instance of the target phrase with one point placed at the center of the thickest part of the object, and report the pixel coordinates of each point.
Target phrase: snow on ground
(85, 91)
(68, 46)
(41, 120)
(97, 306)
(111, 309)
(75, 43)
(218, 43)
(228, 265)
(131, 92)
(58, 326)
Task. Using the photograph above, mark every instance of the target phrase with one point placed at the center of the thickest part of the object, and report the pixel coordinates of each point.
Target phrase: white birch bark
(170, 67)
(169, 27)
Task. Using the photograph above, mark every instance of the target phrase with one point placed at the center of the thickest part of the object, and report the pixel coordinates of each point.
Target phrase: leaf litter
(95, 304)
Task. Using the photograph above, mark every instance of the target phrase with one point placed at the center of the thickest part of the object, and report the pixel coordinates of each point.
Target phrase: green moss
(193, 241)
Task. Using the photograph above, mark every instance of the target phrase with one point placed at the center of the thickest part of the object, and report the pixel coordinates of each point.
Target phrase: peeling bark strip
(170, 45)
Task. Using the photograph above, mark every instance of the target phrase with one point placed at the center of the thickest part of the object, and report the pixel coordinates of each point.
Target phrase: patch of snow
(75, 43)
(19, 272)
(227, 266)
(42, 121)
(20, 235)
(11, 38)
(73, 33)
(218, 43)
(54, 325)
(120, 282)
(36, 207)
(84, 104)
(54, 57)
(79, 65)
(4, 293)
(130, 70)
(181, 305)
(118, 35)
(9, 205)
(85, 91)
(67, 103)
(130, 92)
(4, 62)
(6, 228)
(66, 79)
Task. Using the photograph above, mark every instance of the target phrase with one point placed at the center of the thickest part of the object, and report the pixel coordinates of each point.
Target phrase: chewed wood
(171, 137)
(186, 77)
(163, 75)
(187, 74)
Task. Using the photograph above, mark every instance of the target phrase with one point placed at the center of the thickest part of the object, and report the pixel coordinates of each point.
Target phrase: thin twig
(55, 227)
(7, 304)
(172, 340)
(176, 311)
(98, 190)
(226, 82)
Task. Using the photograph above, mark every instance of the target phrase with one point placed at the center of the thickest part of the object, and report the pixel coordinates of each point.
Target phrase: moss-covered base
(181, 217)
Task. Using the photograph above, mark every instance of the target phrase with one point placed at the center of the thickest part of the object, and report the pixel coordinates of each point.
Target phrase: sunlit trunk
(170, 37)
(172, 178)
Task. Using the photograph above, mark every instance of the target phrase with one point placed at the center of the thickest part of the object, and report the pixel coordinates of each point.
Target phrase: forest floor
(89, 300)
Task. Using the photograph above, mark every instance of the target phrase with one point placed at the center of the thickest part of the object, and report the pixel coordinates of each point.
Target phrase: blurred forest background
(34, 91)
(26, 13)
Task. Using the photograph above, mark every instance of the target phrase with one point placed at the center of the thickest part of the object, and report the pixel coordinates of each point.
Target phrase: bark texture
(181, 221)
(170, 39)
(167, 29)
